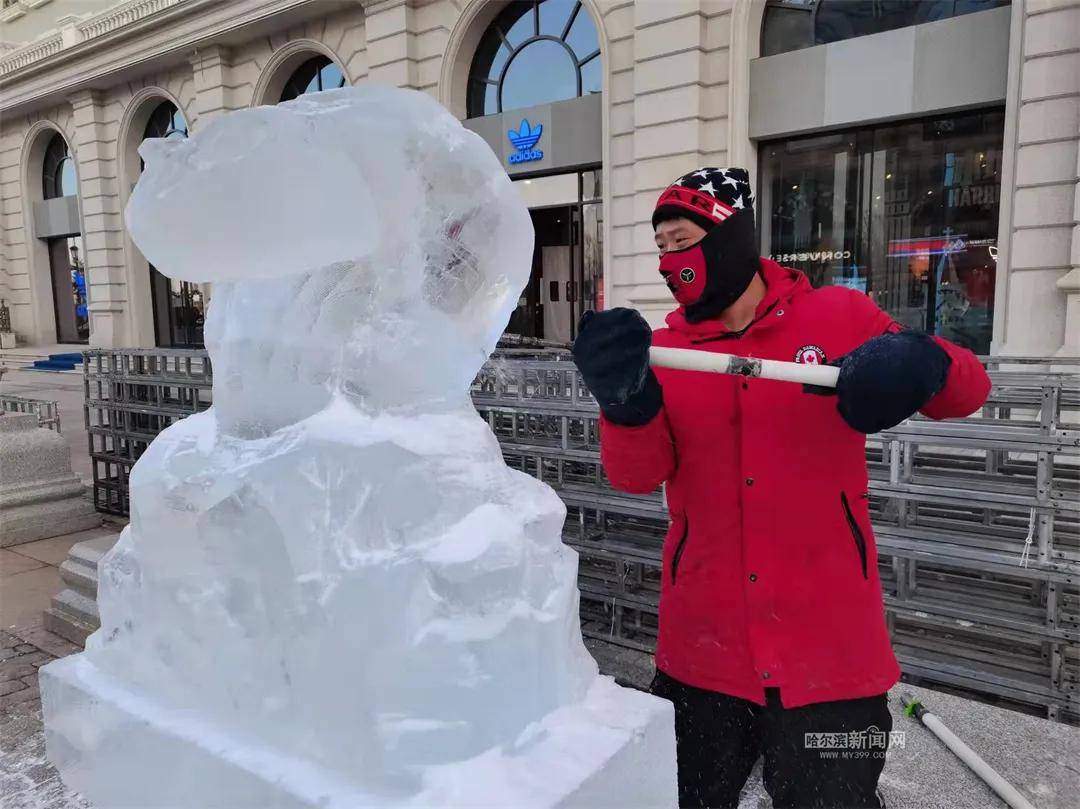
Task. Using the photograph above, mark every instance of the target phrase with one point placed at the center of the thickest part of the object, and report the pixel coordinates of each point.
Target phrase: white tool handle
(1007, 791)
(685, 359)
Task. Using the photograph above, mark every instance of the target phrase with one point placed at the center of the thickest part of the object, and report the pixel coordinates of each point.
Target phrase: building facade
(924, 153)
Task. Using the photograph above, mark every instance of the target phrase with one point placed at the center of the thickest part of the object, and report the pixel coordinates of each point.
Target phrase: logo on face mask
(687, 275)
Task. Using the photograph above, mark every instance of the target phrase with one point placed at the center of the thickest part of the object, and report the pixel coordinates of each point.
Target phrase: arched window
(178, 305)
(58, 171)
(534, 53)
(315, 75)
(790, 25)
(166, 121)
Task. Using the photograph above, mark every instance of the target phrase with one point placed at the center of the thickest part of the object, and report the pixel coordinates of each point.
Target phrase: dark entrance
(567, 268)
(178, 312)
(69, 289)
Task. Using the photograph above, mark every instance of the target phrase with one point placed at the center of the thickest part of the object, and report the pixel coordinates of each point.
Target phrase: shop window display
(907, 213)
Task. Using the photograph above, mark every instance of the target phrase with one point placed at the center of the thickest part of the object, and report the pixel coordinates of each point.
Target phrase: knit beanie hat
(706, 197)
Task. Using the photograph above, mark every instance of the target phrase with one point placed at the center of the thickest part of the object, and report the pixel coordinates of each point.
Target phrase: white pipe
(685, 359)
(1003, 788)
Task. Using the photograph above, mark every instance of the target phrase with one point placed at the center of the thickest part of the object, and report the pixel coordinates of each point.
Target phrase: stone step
(22, 358)
(80, 577)
(29, 362)
(72, 616)
(73, 613)
(28, 355)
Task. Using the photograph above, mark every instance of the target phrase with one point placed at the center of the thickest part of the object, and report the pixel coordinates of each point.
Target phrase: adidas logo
(524, 138)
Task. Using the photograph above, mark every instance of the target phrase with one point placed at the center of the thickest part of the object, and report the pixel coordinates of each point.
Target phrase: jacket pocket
(679, 548)
(856, 532)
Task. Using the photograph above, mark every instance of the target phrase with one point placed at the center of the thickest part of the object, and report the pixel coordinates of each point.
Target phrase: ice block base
(124, 748)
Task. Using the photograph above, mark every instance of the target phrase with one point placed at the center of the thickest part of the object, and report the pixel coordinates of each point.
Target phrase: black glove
(888, 379)
(612, 353)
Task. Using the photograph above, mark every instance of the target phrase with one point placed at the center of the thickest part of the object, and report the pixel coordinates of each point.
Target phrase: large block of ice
(333, 591)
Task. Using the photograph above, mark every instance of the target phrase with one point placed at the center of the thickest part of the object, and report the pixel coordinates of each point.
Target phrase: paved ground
(30, 575)
(29, 578)
(1040, 758)
(27, 780)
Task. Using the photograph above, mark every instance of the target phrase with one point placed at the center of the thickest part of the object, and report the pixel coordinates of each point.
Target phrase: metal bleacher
(954, 505)
(131, 395)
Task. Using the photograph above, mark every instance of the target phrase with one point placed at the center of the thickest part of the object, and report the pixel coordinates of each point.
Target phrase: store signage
(817, 255)
(524, 139)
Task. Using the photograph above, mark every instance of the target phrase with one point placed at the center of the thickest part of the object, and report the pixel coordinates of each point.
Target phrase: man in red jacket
(772, 625)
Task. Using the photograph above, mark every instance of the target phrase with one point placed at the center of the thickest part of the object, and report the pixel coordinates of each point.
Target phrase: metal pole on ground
(1006, 791)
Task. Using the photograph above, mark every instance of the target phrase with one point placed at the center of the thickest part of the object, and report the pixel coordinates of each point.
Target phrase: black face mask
(706, 278)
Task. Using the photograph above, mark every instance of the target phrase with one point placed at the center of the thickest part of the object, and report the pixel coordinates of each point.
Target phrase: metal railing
(977, 520)
(47, 412)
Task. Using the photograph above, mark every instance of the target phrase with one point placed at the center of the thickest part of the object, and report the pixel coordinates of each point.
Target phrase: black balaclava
(707, 277)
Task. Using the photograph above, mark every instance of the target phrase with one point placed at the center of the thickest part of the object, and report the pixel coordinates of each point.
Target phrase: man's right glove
(612, 353)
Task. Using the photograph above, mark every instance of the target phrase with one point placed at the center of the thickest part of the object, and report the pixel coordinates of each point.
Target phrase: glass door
(179, 311)
(813, 202)
(907, 213)
(567, 275)
(592, 244)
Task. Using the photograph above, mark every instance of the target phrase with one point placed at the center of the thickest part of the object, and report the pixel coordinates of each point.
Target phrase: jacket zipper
(680, 548)
(856, 532)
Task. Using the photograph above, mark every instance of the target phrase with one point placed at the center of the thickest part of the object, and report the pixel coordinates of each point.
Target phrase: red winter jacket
(770, 574)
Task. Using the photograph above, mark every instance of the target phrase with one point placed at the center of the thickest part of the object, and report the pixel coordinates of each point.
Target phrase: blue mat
(59, 362)
(74, 357)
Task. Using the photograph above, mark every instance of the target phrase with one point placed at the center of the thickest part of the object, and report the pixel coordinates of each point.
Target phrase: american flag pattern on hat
(716, 194)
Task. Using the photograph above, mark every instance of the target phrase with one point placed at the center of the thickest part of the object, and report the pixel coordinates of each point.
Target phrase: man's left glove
(612, 353)
(888, 379)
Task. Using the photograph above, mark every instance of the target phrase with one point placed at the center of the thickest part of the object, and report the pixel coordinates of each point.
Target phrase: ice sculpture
(333, 592)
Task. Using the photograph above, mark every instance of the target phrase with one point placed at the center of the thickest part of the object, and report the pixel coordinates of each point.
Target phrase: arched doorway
(313, 76)
(179, 306)
(533, 91)
(65, 246)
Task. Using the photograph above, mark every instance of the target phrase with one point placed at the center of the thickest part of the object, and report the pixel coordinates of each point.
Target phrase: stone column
(1038, 280)
(390, 27)
(95, 153)
(214, 94)
(212, 71)
(432, 23)
(669, 97)
(1070, 283)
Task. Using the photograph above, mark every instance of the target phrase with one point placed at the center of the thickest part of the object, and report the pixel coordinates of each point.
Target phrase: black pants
(719, 739)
